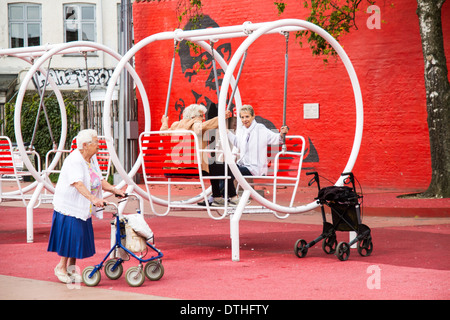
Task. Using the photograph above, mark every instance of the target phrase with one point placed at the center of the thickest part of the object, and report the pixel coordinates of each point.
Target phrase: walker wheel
(343, 251)
(300, 248)
(113, 274)
(365, 247)
(154, 270)
(329, 244)
(92, 281)
(135, 276)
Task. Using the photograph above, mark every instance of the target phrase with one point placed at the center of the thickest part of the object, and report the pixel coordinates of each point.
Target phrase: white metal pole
(30, 206)
(234, 225)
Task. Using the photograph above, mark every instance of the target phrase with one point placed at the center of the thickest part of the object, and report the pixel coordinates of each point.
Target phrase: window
(79, 22)
(24, 25)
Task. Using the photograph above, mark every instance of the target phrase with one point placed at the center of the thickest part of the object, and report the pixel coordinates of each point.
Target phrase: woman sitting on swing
(253, 142)
(193, 117)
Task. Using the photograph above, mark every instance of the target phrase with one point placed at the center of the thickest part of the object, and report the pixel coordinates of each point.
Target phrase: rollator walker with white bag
(130, 236)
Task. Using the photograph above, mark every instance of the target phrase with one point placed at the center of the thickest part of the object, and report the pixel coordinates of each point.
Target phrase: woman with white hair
(193, 117)
(77, 193)
(253, 141)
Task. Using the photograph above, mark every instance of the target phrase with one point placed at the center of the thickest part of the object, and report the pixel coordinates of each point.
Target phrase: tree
(438, 95)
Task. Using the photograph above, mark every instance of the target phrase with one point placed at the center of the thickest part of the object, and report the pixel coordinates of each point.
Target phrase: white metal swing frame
(201, 36)
(252, 32)
(29, 54)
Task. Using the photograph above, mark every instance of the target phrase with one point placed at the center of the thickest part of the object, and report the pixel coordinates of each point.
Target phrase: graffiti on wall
(76, 78)
(190, 61)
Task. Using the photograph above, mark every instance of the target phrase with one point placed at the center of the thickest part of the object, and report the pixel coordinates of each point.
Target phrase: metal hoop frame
(76, 46)
(252, 32)
(63, 119)
(107, 108)
(266, 28)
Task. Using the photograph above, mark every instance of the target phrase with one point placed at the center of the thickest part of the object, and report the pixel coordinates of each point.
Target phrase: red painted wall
(388, 61)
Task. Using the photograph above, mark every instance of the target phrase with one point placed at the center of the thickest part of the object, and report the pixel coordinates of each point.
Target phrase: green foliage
(42, 141)
(190, 10)
(280, 6)
(337, 17)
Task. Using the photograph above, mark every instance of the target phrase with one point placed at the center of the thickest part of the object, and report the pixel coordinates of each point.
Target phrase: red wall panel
(388, 61)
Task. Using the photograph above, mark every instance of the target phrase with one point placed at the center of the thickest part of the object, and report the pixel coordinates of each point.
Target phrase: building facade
(38, 23)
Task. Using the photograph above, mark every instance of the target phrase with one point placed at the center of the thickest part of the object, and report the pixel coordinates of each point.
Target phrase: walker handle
(119, 196)
(314, 179)
(105, 204)
(349, 179)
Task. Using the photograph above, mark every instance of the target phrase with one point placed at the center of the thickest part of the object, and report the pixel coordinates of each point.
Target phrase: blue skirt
(71, 237)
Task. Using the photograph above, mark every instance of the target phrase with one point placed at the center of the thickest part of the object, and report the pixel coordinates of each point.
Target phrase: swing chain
(286, 61)
(286, 35)
(89, 106)
(42, 105)
(169, 89)
(213, 60)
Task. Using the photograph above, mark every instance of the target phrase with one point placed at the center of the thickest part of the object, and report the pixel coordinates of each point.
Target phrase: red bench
(284, 167)
(173, 158)
(170, 156)
(8, 167)
(103, 157)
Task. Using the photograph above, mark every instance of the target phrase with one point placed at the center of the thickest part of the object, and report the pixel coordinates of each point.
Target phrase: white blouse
(252, 145)
(67, 199)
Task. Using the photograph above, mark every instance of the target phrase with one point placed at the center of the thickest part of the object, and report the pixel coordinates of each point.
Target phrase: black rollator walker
(345, 206)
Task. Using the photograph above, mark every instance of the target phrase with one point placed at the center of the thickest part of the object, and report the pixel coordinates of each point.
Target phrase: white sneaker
(75, 277)
(235, 202)
(62, 276)
(218, 202)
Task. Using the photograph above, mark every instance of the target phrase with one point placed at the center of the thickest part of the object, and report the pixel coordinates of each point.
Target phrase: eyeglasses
(94, 141)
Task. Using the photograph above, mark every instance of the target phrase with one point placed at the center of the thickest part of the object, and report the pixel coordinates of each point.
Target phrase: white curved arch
(222, 102)
(107, 108)
(82, 46)
(18, 128)
(62, 139)
(257, 30)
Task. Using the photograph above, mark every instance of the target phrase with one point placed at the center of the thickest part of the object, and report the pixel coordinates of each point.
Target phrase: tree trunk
(437, 96)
